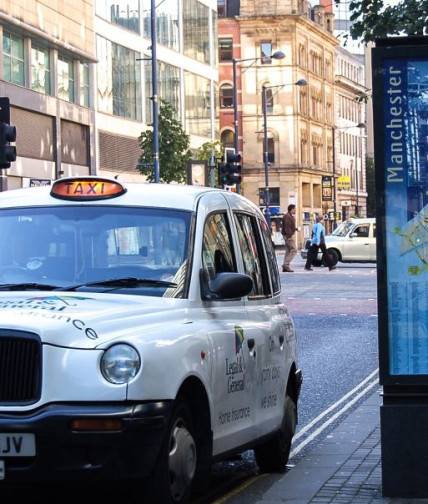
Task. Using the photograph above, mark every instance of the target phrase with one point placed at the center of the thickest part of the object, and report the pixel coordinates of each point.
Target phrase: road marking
(317, 432)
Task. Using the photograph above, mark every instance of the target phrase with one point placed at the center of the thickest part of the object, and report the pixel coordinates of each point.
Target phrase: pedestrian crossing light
(229, 172)
(7, 135)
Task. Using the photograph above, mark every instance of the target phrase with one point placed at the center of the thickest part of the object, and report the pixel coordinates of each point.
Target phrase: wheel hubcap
(182, 461)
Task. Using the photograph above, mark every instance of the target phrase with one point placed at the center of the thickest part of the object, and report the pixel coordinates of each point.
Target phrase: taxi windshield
(343, 229)
(64, 246)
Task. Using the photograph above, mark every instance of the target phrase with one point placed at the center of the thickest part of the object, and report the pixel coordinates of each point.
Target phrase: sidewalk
(344, 468)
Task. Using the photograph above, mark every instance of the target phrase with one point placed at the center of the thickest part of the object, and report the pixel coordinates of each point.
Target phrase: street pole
(300, 82)
(265, 157)
(334, 178)
(276, 55)
(356, 176)
(235, 107)
(155, 95)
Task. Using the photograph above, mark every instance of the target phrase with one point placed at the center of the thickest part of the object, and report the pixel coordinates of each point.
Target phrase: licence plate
(17, 445)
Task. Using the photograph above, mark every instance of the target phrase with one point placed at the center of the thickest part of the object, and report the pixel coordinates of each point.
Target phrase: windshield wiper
(117, 283)
(27, 286)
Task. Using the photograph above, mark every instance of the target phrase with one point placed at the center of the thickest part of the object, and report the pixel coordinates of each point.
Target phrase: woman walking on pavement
(318, 242)
(288, 230)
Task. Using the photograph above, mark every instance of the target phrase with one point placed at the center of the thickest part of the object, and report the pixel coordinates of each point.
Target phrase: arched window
(226, 96)
(271, 150)
(228, 138)
(269, 101)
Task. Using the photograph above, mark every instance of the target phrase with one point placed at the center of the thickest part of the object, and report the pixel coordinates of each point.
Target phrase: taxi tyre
(175, 467)
(334, 256)
(273, 455)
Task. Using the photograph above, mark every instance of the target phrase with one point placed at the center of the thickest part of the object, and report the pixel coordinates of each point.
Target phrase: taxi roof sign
(86, 188)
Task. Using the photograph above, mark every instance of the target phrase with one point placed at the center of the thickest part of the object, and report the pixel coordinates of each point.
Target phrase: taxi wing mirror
(227, 285)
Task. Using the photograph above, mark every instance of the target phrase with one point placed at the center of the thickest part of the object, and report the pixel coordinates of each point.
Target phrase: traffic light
(229, 172)
(7, 135)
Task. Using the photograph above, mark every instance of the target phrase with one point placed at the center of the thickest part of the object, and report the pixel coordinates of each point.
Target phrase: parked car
(354, 240)
(148, 336)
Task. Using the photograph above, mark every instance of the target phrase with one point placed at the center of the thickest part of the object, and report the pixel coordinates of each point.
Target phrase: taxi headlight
(120, 363)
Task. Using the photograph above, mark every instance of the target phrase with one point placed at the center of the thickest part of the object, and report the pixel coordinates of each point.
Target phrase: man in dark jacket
(288, 230)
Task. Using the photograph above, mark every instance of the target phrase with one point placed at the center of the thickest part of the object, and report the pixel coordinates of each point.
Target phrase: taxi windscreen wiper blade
(120, 282)
(28, 286)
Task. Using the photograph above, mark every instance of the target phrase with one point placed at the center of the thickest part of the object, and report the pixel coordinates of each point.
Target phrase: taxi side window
(272, 262)
(252, 254)
(361, 231)
(217, 254)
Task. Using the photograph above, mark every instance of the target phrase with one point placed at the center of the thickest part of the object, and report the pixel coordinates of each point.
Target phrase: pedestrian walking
(288, 230)
(318, 242)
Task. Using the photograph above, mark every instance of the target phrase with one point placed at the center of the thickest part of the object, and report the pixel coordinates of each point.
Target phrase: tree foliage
(373, 19)
(174, 149)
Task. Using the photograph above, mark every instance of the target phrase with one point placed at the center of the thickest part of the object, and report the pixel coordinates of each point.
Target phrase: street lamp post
(300, 82)
(334, 179)
(155, 94)
(276, 55)
(360, 125)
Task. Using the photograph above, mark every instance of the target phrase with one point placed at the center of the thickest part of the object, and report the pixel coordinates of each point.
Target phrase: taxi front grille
(20, 368)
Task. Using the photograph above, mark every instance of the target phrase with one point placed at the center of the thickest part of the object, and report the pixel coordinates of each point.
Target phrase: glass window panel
(13, 58)
(125, 13)
(195, 31)
(198, 104)
(104, 76)
(225, 50)
(226, 96)
(65, 72)
(168, 87)
(40, 69)
(84, 84)
(126, 83)
(118, 78)
(167, 22)
(266, 52)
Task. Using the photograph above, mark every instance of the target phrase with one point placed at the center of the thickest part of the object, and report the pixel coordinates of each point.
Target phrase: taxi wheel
(334, 256)
(176, 466)
(274, 454)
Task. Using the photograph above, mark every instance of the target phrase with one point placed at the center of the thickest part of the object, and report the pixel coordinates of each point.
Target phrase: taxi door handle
(251, 343)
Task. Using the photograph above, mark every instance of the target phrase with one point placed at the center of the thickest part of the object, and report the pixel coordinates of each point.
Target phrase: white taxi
(142, 336)
(354, 240)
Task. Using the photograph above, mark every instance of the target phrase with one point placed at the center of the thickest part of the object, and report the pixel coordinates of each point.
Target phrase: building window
(221, 8)
(225, 49)
(168, 87)
(266, 53)
(228, 138)
(167, 23)
(196, 43)
(269, 101)
(271, 150)
(123, 13)
(65, 73)
(40, 69)
(84, 84)
(198, 105)
(226, 96)
(13, 59)
(118, 77)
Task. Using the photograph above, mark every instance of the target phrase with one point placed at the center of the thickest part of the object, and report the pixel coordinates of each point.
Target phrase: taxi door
(232, 355)
(358, 245)
(265, 327)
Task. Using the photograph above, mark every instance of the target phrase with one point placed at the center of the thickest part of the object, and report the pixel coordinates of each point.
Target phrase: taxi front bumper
(65, 454)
